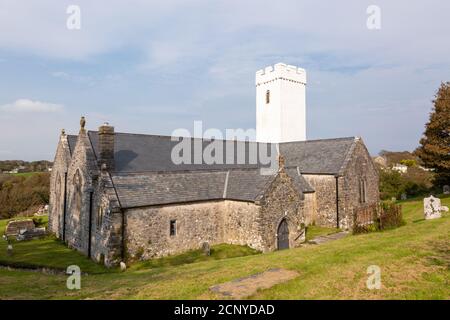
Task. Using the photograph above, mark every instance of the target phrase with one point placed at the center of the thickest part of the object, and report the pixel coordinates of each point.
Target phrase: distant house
(382, 161)
(400, 168)
(425, 169)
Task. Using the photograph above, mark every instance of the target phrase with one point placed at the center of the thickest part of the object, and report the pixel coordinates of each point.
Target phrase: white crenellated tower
(280, 104)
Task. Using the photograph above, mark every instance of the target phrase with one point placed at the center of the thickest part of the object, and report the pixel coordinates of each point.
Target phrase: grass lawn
(414, 261)
(25, 174)
(316, 231)
(47, 252)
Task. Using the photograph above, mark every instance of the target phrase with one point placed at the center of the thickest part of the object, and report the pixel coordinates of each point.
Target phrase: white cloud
(27, 105)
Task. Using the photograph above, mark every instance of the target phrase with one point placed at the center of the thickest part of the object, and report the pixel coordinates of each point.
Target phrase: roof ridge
(347, 156)
(186, 171)
(235, 140)
(324, 139)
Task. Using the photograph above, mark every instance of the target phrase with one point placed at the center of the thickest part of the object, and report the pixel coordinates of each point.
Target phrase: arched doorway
(283, 235)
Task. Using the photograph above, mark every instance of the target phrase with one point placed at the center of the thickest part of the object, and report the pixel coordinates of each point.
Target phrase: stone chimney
(106, 146)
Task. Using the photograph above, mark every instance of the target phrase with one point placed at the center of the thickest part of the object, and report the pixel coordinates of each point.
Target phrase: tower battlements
(280, 71)
(280, 104)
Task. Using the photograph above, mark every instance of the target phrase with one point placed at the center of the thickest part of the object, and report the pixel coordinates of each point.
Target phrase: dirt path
(330, 237)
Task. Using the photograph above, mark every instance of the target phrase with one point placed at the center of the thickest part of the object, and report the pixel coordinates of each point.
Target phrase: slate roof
(153, 188)
(317, 156)
(146, 175)
(72, 140)
(144, 153)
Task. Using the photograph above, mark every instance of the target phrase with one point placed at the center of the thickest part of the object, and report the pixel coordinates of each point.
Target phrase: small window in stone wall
(77, 191)
(267, 96)
(362, 191)
(173, 228)
(100, 214)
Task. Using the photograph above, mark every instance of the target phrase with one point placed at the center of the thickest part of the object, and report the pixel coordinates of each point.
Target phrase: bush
(409, 162)
(377, 217)
(394, 184)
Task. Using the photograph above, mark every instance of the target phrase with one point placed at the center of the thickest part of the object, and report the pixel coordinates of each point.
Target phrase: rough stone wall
(310, 210)
(106, 238)
(57, 181)
(360, 166)
(325, 199)
(77, 218)
(106, 244)
(224, 221)
(281, 201)
(241, 224)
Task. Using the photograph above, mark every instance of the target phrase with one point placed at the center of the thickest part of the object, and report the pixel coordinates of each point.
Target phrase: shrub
(409, 162)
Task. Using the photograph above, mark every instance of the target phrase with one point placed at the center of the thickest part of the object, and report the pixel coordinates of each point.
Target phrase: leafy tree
(393, 184)
(408, 162)
(434, 149)
(20, 194)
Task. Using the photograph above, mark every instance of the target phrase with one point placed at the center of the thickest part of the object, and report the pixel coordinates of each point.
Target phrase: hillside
(25, 166)
(23, 193)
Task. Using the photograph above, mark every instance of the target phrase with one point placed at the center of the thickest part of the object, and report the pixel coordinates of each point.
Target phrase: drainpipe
(337, 201)
(64, 209)
(90, 223)
(122, 255)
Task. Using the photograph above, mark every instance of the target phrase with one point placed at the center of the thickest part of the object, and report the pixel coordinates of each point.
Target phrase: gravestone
(206, 248)
(404, 196)
(432, 208)
(17, 227)
(446, 189)
(25, 234)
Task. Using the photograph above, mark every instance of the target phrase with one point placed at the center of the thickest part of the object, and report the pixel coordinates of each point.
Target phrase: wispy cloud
(30, 106)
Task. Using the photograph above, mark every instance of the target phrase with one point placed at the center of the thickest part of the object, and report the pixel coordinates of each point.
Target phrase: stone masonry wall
(325, 199)
(77, 219)
(224, 221)
(106, 245)
(148, 229)
(360, 166)
(241, 224)
(57, 181)
(282, 201)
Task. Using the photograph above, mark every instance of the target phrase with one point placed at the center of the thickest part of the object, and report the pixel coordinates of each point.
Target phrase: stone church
(120, 196)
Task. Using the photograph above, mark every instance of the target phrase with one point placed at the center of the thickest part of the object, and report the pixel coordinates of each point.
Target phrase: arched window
(77, 191)
(57, 193)
(362, 191)
(267, 96)
(100, 214)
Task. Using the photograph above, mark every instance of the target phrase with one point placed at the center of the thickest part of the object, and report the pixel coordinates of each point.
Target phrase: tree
(434, 149)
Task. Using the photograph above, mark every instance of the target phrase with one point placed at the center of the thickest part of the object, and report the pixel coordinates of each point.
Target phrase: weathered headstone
(9, 249)
(123, 266)
(25, 234)
(16, 227)
(206, 248)
(404, 196)
(446, 189)
(432, 207)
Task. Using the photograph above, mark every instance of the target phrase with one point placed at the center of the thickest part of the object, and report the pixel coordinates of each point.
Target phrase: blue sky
(153, 67)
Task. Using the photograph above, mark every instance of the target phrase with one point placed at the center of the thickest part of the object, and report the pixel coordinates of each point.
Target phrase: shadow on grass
(218, 252)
